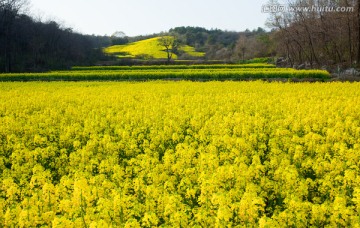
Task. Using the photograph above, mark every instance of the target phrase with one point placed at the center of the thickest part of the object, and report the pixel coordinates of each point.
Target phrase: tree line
(326, 35)
(29, 45)
(314, 34)
(226, 45)
(316, 38)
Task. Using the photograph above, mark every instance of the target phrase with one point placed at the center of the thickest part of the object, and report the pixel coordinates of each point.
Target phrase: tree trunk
(312, 49)
(243, 54)
(7, 52)
(349, 33)
(6, 58)
(169, 55)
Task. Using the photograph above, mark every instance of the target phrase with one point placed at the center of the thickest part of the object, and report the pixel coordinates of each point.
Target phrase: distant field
(182, 72)
(148, 47)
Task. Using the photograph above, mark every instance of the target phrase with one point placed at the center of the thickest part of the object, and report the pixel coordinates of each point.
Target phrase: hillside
(149, 48)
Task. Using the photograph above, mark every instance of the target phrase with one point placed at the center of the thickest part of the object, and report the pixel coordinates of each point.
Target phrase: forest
(27, 44)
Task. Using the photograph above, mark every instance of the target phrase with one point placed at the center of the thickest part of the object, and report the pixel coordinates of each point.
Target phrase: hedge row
(157, 75)
(215, 66)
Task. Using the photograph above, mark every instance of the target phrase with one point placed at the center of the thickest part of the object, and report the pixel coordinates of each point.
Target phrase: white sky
(142, 17)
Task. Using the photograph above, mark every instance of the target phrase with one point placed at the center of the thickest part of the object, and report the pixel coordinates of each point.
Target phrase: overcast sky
(142, 17)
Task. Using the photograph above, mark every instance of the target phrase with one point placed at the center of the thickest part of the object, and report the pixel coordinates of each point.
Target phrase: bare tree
(241, 46)
(170, 45)
(318, 37)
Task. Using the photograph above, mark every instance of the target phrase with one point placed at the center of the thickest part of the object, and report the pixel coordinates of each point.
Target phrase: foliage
(229, 154)
(197, 36)
(169, 44)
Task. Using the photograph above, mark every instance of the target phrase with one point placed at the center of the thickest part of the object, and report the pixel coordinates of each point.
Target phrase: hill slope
(148, 48)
